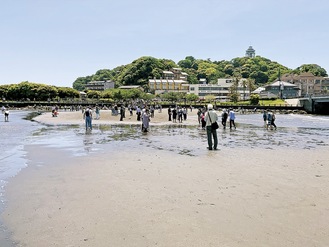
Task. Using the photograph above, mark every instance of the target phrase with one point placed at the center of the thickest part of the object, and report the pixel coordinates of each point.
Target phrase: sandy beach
(106, 117)
(142, 196)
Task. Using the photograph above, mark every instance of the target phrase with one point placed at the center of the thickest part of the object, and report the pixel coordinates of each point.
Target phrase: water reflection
(181, 139)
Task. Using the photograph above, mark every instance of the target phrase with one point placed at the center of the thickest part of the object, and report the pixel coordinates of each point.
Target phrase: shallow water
(294, 131)
(14, 134)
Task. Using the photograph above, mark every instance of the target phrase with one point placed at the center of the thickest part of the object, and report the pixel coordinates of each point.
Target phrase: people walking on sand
(138, 113)
(122, 113)
(174, 114)
(180, 115)
(232, 118)
(169, 114)
(184, 113)
(211, 117)
(224, 118)
(145, 120)
(87, 115)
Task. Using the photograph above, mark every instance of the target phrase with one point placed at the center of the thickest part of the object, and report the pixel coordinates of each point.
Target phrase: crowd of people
(177, 114)
(144, 113)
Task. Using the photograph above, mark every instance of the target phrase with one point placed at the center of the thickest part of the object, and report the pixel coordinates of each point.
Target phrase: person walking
(88, 118)
(6, 115)
(180, 115)
(265, 118)
(273, 119)
(199, 113)
(174, 114)
(269, 120)
(145, 120)
(138, 113)
(224, 118)
(97, 112)
(211, 117)
(232, 118)
(169, 114)
(184, 113)
(122, 113)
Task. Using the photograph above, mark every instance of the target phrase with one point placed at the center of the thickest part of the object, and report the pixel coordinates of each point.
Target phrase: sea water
(14, 134)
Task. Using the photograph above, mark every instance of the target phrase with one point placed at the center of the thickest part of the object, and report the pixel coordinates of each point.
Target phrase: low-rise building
(307, 83)
(131, 87)
(221, 90)
(172, 81)
(99, 85)
(282, 89)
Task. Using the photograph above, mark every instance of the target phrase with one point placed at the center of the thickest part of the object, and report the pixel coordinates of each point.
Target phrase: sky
(56, 41)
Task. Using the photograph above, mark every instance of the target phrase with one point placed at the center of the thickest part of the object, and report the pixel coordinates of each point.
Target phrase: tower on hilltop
(250, 52)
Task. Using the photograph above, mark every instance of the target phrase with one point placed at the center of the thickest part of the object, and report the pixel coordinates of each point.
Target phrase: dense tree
(312, 68)
(192, 97)
(171, 96)
(142, 69)
(80, 83)
(92, 94)
(67, 92)
(254, 99)
(259, 69)
(35, 91)
(4, 91)
(188, 63)
(102, 75)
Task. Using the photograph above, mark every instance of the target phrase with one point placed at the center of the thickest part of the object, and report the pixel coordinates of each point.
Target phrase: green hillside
(259, 69)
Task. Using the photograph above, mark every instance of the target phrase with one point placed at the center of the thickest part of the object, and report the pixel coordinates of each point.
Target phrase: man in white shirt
(210, 118)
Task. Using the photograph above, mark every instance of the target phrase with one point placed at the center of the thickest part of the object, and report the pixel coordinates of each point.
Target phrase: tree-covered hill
(259, 69)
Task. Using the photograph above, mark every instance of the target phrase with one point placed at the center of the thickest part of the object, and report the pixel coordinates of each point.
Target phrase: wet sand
(143, 196)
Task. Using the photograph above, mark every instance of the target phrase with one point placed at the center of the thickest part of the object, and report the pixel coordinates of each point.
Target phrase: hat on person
(210, 107)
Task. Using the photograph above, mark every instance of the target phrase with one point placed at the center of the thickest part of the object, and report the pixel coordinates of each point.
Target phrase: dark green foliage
(312, 68)
(254, 99)
(35, 91)
(258, 69)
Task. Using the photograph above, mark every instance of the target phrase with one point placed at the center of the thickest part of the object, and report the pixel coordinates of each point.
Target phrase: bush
(254, 99)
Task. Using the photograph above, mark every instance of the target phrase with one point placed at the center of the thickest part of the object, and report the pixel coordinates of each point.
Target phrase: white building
(172, 81)
(99, 85)
(221, 90)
